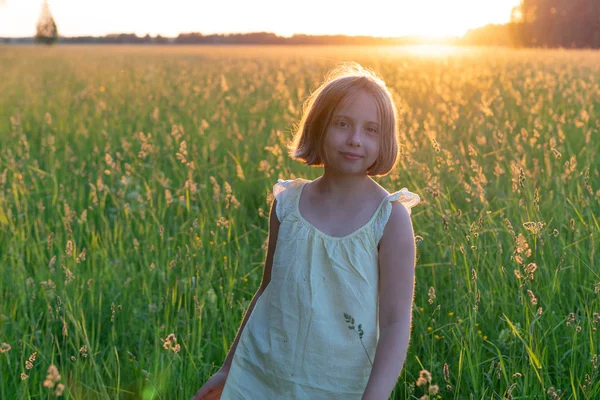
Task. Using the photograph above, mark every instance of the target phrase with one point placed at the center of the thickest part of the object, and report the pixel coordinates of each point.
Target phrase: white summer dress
(296, 343)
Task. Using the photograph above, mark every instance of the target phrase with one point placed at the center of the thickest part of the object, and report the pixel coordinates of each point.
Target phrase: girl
(331, 318)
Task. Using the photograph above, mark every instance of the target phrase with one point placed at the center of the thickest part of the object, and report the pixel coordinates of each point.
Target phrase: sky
(282, 17)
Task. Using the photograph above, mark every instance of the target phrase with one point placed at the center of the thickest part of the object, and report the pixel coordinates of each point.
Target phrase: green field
(135, 186)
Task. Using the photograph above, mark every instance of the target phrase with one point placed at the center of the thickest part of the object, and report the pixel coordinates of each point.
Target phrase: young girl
(331, 318)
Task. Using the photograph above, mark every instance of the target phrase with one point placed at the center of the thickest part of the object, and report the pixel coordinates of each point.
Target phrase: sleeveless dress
(297, 343)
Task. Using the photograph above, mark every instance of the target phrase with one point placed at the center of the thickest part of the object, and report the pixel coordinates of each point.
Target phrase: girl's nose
(354, 138)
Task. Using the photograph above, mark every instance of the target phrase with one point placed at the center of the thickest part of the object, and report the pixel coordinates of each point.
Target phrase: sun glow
(433, 18)
(428, 18)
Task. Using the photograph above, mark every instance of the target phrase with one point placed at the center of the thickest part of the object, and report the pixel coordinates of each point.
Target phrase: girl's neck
(342, 187)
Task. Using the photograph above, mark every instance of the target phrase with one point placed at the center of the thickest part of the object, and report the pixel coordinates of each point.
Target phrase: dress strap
(405, 197)
(285, 192)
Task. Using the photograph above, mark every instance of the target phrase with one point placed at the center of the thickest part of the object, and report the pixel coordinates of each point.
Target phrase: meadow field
(135, 186)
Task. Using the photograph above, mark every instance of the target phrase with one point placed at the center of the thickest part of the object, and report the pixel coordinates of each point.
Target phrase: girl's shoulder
(288, 185)
(403, 196)
(286, 192)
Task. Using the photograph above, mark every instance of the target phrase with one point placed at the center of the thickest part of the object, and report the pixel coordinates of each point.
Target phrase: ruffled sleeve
(285, 193)
(404, 196)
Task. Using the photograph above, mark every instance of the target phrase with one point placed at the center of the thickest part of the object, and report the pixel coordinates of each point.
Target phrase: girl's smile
(351, 156)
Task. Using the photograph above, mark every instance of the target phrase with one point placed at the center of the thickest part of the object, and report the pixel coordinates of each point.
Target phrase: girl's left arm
(396, 279)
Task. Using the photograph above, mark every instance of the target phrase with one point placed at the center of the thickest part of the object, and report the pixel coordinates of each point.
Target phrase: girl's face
(352, 139)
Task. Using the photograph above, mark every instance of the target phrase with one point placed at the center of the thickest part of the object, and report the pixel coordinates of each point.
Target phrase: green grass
(115, 234)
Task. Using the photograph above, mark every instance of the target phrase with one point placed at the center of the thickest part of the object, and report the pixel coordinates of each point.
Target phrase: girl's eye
(372, 130)
(342, 124)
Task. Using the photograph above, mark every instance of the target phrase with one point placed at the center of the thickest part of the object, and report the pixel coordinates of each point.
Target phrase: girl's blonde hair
(320, 106)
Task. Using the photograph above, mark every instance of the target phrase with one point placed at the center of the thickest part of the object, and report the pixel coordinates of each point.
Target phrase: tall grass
(135, 188)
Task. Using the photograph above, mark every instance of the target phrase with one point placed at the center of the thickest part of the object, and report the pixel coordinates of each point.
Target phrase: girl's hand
(213, 388)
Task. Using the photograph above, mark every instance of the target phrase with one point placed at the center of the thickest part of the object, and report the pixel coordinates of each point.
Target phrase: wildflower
(182, 152)
(50, 237)
(530, 269)
(521, 177)
(5, 348)
(52, 379)
(431, 294)
(58, 391)
(424, 377)
(68, 274)
(473, 275)
(81, 256)
(532, 297)
(510, 390)
(263, 166)
(31, 360)
(223, 223)
(510, 227)
(553, 393)
(477, 300)
(216, 188)
(168, 197)
(518, 274)
(24, 376)
(109, 161)
(446, 372)
(240, 172)
(230, 197)
(534, 227)
(519, 259)
(571, 319)
(83, 351)
(433, 390)
(69, 249)
(170, 343)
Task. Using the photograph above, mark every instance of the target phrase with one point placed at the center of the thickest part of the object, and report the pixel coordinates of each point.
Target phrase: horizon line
(421, 36)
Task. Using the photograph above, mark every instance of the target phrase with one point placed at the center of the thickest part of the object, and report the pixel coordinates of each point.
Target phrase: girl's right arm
(273, 232)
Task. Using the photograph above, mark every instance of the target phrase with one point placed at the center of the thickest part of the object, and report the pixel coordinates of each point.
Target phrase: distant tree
(46, 31)
(564, 23)
(160, 40)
